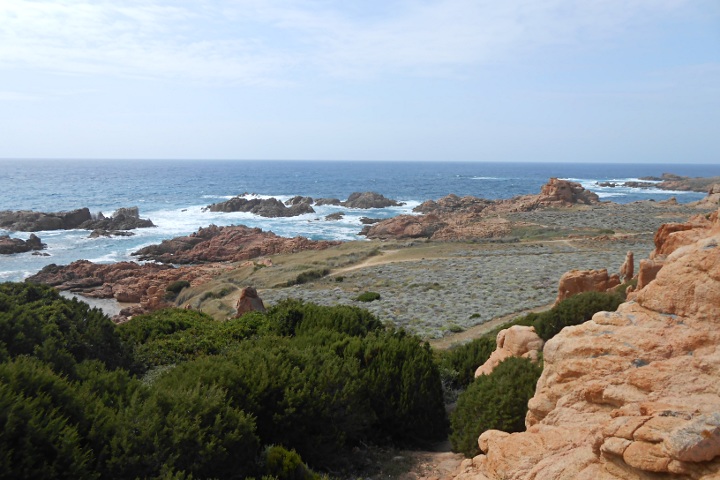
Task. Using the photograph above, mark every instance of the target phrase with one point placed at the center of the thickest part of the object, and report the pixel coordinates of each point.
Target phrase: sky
(439, 80)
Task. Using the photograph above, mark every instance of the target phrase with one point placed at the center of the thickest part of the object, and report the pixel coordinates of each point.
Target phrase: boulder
(327, 201)
(566, 192)
(297, 200)
(578, 281)
(405, 226)
(369, 200)
(516, 341)
(122, 219)
(335, 216)
(454, 204)
(633, 394)
(249, 301)
(9, 245)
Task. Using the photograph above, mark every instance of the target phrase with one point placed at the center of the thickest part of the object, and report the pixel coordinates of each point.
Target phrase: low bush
(35, 320)
(496, 401)
(368, 297)
(308, 276)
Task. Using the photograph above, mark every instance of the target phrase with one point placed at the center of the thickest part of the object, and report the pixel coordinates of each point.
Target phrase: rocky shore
(486, 260)
(122, 220)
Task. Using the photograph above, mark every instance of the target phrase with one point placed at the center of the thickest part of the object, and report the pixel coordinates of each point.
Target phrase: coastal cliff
(632, 394)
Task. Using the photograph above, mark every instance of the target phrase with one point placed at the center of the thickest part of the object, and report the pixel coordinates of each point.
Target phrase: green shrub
(286, 464)
(308, 276)
(368, 297)
(35, 320)
(496, 401)
(174, 335)
(459, 363)
(573, 311)
(294, 317)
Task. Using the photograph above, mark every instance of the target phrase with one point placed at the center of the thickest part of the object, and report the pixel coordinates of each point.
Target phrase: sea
(172, 193)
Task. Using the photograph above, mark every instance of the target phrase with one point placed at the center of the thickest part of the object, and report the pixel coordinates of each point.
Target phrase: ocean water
(172, 194)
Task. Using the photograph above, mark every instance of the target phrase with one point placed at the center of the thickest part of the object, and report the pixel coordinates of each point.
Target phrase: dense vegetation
(499, 400)
(175, 394)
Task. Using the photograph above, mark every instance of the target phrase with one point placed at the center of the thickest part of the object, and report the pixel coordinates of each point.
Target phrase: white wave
(487, 178)
(107, 258)
(225, 197)
(609, 194)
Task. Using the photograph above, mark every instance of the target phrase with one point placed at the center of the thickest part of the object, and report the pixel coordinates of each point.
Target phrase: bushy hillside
(176, 394)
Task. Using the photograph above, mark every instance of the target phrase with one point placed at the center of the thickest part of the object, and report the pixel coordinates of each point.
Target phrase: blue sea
(172, 194)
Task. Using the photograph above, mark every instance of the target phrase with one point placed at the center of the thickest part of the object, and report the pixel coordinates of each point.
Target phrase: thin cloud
(267, 42)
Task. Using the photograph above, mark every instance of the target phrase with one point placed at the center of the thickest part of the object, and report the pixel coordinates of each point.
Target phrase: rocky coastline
(121, 220)
(669, 181)
(496, 258)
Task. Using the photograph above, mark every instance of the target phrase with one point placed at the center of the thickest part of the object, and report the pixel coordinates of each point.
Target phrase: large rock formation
(29, 221)
(579, 281)
(633, 394)
(516, 341)
(9, 245)
(264, 207)
(226, 244)
(369, 200)
(469, 218)
(566, 192)
(126, 282)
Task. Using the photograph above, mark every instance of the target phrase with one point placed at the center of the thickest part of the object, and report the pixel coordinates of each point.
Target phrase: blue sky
(462, 80)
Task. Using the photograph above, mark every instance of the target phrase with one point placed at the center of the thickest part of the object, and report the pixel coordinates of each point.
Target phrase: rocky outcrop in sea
(299, 205)
(8, 245)
(29, 221)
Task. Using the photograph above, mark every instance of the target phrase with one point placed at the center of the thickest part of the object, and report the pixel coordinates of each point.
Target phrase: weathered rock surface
(369, 200)
(264, 207)
(29, 221)
(579, 281)
(633, 394)
(566, 192)
(467, 218)
(249, 301)
(452, 204)
(334, 216)
(669, 181)
(124, 281)
(9, 245)
(627, 269)
(122, 219)
(226, 244)
(516, 341)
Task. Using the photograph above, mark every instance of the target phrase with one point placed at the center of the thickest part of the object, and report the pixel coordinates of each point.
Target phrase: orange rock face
(578, 281)
(516, 341)
(563, 191)
(454, 218)
(633, 394)
(249, 301)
